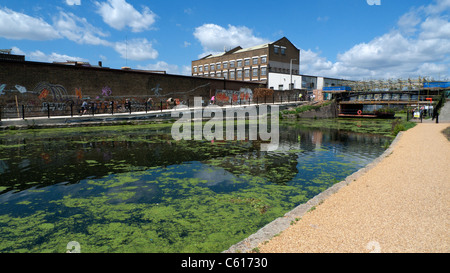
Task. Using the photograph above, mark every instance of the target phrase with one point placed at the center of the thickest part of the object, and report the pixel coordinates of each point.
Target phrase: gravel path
(400, 205)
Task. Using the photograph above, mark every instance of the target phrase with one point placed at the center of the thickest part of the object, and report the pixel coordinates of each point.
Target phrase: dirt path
(400, 205)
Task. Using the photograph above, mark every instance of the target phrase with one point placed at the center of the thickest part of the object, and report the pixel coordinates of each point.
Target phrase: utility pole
(290, 86)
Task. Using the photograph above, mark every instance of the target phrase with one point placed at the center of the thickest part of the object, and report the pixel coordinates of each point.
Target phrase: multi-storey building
(251, 64)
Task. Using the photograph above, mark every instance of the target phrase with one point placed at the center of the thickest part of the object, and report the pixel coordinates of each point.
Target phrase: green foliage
(399, 125)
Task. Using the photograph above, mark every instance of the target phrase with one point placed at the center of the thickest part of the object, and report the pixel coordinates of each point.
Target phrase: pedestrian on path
(84, 106)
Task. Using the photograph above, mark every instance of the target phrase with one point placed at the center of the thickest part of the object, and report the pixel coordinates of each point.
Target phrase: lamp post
(290, 86)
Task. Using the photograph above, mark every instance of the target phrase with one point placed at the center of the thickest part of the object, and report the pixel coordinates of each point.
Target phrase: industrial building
(276, 65)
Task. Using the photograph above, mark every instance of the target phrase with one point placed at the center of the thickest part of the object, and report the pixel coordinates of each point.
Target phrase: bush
(385, 111)
(399, 125)
(398, 128)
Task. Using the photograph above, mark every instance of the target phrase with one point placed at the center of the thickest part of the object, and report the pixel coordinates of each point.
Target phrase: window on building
(195, 69)
(264, 59)
(213, 67)
(232, 75)
(239, 63)
(283, 50)
(206, 67)
(276, 49)
(247, 73)
(219, 74)
(232, 64)
(225, 75)
(239, 74)
(255, 72)
(247, 62)
(218, 66)
(255, 60)
(225, 65)
(200, 68)
(280, 87)
(263, 71)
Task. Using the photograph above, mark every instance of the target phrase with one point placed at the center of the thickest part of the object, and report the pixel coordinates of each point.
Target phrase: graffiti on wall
(156, 90)
(2, 87)
(78, 93)
(106, 91)
(56, 91)
(244, 94)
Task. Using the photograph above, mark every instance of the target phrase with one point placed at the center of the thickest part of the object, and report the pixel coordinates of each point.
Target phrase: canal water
(135, 189)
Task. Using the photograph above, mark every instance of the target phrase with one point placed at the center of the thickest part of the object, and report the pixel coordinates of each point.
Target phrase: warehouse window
(263, 71)
(264, 59)
(255, 72)
(276, 49)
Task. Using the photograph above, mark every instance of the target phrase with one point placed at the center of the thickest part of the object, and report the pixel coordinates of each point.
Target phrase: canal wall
(36, 83)
(319, 111)
(327, 111)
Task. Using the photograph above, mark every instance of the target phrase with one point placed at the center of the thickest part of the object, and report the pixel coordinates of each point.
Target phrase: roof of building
(239, 49)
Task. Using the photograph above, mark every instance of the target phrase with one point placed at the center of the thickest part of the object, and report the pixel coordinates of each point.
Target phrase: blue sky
(338, 38)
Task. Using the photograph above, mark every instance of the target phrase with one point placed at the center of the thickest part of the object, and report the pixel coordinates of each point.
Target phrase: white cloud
(215, 38)
(169, 68)
(119, 14)
(73, 2)
(440, 6)
(435, 28)
(39, 56)
(18, 26)
(78, 29)
(420, 45)
(408, 22)
(136, 49)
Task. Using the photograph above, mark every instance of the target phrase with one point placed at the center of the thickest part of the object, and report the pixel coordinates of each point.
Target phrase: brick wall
(36, 83)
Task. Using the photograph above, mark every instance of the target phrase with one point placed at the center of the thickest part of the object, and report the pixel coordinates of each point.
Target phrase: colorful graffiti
(106, 91)
(244, 94)
(2, 87)
(58, 92)
(43, 94)
(21, 89)
(78, 93)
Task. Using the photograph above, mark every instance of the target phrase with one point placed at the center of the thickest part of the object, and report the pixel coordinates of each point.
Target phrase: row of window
(230, 64)
(234, 75)
(279, 49)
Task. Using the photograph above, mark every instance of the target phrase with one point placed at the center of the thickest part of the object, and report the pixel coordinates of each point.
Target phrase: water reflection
(35, 161)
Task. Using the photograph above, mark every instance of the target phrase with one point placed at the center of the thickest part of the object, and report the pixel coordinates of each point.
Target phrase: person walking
(84, 107)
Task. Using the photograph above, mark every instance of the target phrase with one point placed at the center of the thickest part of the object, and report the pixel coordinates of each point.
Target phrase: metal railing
(56, 109)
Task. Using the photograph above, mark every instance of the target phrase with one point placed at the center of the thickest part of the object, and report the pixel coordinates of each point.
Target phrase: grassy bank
(385, 127)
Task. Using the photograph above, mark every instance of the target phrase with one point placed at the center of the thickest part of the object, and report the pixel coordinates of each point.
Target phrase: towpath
(402, 204)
